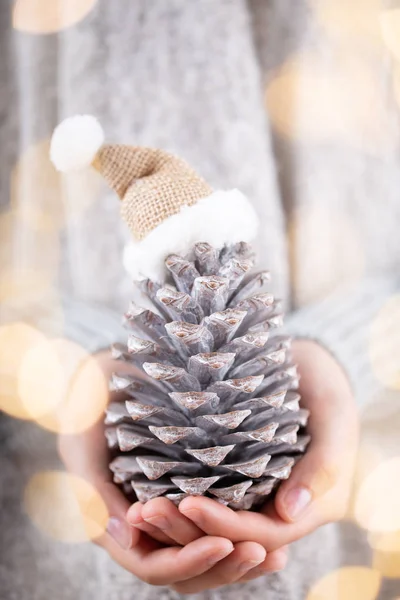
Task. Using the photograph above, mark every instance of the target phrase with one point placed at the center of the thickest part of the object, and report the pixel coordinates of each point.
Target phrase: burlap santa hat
(165, 204)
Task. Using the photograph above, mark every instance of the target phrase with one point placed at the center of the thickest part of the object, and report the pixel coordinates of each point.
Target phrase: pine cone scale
(214, 411)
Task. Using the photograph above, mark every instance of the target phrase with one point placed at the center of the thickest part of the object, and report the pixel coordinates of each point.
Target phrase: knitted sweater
(295, 109)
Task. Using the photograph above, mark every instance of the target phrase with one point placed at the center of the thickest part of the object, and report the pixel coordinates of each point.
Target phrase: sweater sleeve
(93, 326)
(343, 323)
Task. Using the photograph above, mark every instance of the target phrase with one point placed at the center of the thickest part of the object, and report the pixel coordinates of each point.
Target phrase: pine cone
(213, 409)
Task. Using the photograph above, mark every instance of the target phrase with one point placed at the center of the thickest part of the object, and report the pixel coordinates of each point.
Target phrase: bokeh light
(20, 284)
(347, 583)
(27, 294)
(368, 458)
(62, 387)
(36, 192)
(65, 507)
(45, 375)
(378, 499)
(49, 16)
(356, 19)
(385, 542)
(46, 199)
(388, 563)
(29, 261)
(390, 28)
(29, 267)
(384, 344)
(316, 98)
(340, 259)
(16, 340)
(380, 426)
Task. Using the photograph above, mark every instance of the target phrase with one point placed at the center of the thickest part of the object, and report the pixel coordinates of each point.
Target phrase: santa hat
(165, 204)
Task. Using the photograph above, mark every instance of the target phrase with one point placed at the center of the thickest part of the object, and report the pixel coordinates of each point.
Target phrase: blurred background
(297, 103)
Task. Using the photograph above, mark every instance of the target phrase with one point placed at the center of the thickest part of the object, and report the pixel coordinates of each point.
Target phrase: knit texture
(192, 78)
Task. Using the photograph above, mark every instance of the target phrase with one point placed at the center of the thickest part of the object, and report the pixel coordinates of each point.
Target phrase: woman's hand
(164, 560)
(317, 491)
(249, 560)
(172, 548)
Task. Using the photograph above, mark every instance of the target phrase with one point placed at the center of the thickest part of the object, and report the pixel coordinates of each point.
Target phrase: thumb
(314, 475)
(86, 455)
(333, 427)
(118, 527)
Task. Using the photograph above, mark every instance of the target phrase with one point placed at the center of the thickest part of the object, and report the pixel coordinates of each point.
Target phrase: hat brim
(224, 217)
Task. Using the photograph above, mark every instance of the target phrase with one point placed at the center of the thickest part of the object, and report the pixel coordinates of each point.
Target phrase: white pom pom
(75, 143)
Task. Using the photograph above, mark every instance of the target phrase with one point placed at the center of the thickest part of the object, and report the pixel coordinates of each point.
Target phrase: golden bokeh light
(378, 499)
(62, 386)
(29, 258)
(380, 425)
(46, 199)
(356, 19)
(390, 28)
(388, 563)
(16, 340)
(315, 99)
(385, 542)
(28, 302)
(340, 259)
(368, 458)
(347, 583)
(20, 285)
(29, 267)
(49, 16)
(44, 376)
(36, 193)
(384, 344)
(65, 507)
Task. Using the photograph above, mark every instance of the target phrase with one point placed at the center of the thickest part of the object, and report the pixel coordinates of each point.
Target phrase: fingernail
(214, 558)
(296, 501)
(248, 565)
(120, 531)
(159, 521)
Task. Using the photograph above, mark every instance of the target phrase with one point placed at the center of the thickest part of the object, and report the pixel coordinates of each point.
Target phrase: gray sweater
(295, 109)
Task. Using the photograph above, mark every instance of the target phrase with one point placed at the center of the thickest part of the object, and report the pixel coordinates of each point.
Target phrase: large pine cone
(212, 409)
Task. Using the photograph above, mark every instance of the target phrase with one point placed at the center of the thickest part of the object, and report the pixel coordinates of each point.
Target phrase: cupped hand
(317, 491)
(188, 559)
(172, 548)
(249, 560)
(161, 562)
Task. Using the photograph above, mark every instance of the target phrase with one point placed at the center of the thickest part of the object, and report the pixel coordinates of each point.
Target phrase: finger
(317, 473)
(333, 430)
(166, 566)
(268, 529)
(135, 518)
(274, 562)
(118, 527)
(211, 516)
(162, 514)
(246, 556)
(130, 559)
(86, 455)
(326, 393)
